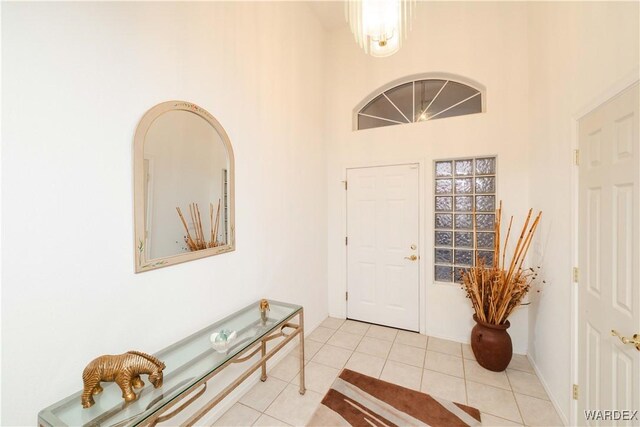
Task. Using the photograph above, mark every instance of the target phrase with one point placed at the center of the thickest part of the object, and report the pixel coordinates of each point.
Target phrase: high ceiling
(330, 13)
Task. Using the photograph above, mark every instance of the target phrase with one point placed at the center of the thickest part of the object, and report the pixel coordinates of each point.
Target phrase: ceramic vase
(491, 345)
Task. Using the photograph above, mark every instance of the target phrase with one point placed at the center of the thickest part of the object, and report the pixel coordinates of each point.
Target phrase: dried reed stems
(199, 242)
(496, 290)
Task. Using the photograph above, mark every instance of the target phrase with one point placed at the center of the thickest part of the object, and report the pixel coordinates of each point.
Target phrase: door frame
(602, 98)
(422, 290)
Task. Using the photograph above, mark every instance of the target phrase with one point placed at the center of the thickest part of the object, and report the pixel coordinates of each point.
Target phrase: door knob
(411, 258)
(635, 340)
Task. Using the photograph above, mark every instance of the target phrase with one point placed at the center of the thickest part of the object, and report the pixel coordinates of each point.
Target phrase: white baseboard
(554, 402)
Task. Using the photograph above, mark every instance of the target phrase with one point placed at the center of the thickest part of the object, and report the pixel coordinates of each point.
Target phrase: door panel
(609, 231)
(382, 228)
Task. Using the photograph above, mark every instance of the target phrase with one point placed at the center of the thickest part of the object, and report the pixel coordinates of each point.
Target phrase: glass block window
(462, 186)
(420, 101)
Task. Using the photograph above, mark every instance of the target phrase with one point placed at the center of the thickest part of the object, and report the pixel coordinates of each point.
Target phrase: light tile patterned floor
(439, 367)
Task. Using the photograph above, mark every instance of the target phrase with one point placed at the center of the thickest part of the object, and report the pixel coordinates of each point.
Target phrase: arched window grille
(418, 101)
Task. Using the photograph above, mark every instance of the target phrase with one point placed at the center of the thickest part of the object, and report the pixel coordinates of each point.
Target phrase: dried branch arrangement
(496, 290)
(199, 242)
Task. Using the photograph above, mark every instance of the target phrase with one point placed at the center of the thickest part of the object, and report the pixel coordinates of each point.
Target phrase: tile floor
(439, 367)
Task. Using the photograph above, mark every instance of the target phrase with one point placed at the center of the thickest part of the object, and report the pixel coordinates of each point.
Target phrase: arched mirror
(183, 186)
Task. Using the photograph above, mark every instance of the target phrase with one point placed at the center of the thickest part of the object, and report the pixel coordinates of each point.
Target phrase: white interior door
(383, 266)
(609, 288)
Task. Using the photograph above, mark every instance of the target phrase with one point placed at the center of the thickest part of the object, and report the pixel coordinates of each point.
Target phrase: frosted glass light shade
(379, 25)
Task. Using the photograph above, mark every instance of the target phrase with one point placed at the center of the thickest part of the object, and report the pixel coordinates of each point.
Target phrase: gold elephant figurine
(125, 369)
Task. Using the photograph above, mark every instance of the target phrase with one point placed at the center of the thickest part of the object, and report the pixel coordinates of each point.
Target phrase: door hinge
(346, 240)
(575, 392)
(345, 184)
(576, 157)
(576, 274)
(346, 296)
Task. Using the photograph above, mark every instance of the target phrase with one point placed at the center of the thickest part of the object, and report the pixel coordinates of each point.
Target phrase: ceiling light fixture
(379, 25)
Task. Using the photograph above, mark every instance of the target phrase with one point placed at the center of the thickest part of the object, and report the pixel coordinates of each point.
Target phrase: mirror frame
(142, 263)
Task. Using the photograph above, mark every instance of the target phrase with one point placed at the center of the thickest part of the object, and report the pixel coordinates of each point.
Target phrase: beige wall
(76, 79)
(485, 42)
(578, 52)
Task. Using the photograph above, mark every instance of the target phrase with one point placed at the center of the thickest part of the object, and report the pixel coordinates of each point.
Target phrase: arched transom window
(418, 101)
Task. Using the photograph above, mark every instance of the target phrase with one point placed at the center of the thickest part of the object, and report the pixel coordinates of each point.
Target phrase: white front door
(383, 266)
(609, 256)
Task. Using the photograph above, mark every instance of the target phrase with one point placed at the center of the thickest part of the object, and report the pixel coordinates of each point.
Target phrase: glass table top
(187, 362)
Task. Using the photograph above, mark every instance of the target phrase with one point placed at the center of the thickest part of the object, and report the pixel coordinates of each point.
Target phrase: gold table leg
(263, 377)
(301, 332)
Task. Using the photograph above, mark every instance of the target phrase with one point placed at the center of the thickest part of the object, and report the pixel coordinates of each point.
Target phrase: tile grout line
(326, 343)
(503, 418)
(476, 381)
(246, 406)
(354, 350)
(424, 362)
(492, 413)
(384, 365)
(387, 359)
(359, 341)
(444, 352)
(514, 397)
(276, 398)
(271, 416)
(276, 418)
(444, 373)
(306, 362)
(526, 393)
(464, 376)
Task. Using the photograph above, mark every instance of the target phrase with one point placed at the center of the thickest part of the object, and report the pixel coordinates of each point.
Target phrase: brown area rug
(359, 400)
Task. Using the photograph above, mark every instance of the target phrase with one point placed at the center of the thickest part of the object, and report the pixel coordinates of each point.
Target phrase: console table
(190, 364)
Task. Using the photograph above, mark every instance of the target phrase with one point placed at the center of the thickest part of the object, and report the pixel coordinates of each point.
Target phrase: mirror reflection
(183, 186)
(186, 185)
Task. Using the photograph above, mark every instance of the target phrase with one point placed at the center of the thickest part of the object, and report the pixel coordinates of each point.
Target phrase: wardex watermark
(610, 415)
